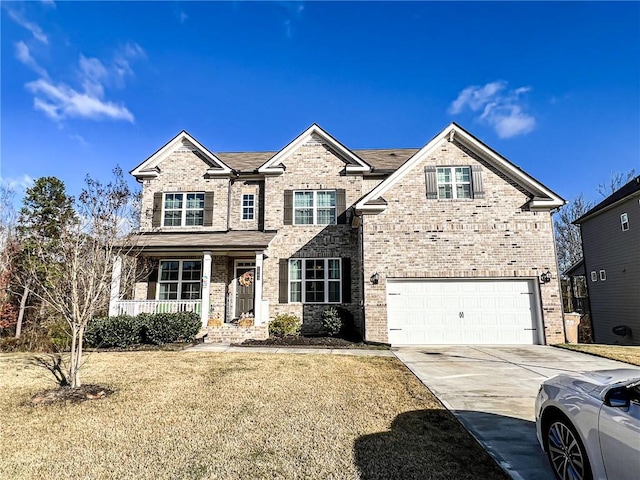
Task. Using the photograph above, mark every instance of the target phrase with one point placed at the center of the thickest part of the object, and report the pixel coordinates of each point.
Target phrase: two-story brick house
(443, 244)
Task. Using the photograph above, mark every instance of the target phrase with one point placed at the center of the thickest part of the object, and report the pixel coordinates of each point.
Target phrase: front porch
(221, 283)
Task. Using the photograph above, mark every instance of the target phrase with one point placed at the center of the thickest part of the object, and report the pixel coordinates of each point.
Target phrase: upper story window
(183, 209)
(314, 207)
(179, 280)
(454, 182)
(315, 280)
(248, 206)
(624, 222)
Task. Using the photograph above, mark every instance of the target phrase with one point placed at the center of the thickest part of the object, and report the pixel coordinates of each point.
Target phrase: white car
(589, 424)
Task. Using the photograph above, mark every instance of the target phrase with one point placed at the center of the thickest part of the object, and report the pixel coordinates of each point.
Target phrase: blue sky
(554, 87)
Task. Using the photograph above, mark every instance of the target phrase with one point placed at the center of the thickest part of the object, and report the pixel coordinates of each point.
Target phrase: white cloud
(35, 30)
(500, 107)
(122, 62)
(293, 12)
(24, 55)
(60, 102)
(182, 16)
(20, 183)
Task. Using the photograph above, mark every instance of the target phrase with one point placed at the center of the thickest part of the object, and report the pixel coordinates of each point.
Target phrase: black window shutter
(157, 209)
(476, 178)
(341, 204)
(152, 282)
(346, 280)
(431, 181)
(283, 294)
(288, 207)
(208, 209)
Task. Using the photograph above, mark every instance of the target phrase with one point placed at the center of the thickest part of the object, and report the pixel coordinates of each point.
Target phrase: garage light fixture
(545, 277)
(375, 278)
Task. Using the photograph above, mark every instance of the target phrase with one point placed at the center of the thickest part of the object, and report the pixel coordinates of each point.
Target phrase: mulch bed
(73, 395)
(308, 342)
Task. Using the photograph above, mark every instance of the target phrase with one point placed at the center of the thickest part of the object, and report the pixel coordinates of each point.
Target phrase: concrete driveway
(492, 390)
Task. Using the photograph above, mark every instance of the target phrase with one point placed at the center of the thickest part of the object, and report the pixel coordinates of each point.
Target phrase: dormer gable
(151, 167)
(541, 198)
(353, 164)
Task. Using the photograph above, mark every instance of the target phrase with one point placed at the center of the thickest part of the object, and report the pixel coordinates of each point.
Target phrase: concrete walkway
(212, 347)
(492, 391)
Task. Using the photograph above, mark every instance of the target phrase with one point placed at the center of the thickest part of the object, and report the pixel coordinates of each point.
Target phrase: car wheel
(566, 453)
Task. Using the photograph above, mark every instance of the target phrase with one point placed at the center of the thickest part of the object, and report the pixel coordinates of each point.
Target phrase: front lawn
(614, 352)
(234, 416)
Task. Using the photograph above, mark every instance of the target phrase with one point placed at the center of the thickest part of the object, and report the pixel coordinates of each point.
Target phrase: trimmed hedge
(163, 328)
(124, 331)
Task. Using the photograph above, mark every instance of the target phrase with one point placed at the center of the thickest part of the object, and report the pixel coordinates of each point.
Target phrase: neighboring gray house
(448, 243)
(611, 248)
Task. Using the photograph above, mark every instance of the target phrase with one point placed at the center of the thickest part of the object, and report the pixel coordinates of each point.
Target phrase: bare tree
(75, 278)
(8, 246)
(616, 181)
(567, 235)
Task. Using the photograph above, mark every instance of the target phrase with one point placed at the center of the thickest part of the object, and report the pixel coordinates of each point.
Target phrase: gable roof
(150, 167)
(616, 197)
(542, 197)
(354, 163)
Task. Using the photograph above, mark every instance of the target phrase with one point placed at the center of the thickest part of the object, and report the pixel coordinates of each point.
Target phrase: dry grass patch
(614, 352)
(231, 416)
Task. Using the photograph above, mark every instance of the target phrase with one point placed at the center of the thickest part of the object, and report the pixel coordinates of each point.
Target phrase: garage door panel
(456, 312)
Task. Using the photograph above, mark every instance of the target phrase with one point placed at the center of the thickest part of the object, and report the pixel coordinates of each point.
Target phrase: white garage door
(422, 312)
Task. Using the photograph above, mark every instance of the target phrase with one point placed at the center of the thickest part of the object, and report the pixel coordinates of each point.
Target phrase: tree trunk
(73, 367)
(23, 304)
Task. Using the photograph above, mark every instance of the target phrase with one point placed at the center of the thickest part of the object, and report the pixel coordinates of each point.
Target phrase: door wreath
(246, 278)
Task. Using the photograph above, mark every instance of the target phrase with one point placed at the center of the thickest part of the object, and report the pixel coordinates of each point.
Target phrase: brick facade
(493, 237)
(497, 236)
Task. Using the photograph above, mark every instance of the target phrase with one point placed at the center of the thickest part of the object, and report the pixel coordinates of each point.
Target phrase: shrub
(332, 321)
(164, 328)
(35, 338)
(121, 332)
(59, 333)
(285, 324)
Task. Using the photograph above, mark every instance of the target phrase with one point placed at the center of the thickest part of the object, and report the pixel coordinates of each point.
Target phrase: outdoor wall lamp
(375, 278)
(545, 277)
(149, 213)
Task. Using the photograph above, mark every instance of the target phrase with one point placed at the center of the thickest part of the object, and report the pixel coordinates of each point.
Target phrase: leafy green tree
(46, 211)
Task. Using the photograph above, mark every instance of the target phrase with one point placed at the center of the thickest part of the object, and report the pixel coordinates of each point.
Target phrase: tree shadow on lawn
(426, 444)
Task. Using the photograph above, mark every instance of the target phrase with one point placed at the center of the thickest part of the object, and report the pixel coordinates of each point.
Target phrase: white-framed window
(594, 276)
(183, 209)
(315, 280)
(454, 182)
(603, 275)
(624, 222)
(248, 206)
(314, 207)
(179, 280)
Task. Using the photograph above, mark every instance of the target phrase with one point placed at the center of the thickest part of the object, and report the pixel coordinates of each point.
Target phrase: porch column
(257, 289)
(206, 274)
(116, 273)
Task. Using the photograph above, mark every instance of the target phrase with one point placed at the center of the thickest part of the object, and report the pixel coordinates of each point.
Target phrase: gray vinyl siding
(616, 300)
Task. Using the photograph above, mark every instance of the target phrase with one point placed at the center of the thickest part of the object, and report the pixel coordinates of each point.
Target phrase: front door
(245, 281)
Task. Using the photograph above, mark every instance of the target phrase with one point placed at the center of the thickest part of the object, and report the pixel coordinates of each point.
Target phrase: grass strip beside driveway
(614, 352)
(231, 416)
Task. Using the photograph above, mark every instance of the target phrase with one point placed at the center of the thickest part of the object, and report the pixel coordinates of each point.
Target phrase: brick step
(227, 333)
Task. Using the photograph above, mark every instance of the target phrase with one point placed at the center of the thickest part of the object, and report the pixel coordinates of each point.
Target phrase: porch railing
(135, 307)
